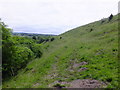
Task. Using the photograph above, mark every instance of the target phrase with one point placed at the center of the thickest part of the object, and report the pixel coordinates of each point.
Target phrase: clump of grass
(58, 85)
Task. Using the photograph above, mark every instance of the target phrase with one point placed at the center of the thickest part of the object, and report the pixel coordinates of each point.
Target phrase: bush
(60, 37)
(19, 59)
(52, 39)
(36, 48)
(58, 85)
(40, 41)
(16, 51)
(91, 30)
(110, 18)
(34, 38)
(22, 56)
(47, 40)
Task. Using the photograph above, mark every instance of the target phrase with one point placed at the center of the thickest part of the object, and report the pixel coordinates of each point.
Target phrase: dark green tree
(52, 39)
(17, 51)
(110, 17)
(34, 38)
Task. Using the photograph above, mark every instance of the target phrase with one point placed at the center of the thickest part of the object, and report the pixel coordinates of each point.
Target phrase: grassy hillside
(88, 52)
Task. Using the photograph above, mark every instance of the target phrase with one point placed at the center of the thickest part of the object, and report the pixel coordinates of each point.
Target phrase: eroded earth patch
(85, 83)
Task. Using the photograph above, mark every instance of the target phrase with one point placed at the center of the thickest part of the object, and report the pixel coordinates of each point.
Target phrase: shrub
(41, 40)
(65, 46)
(19, 59)
(58, 85)
(52, 39)
(102, 21)
(60, 37)
(34, 38)
(109, 79)
(36, 50)
(110, 17)
(47, 40)
(16, 51)
(91, 30)
(21, 56)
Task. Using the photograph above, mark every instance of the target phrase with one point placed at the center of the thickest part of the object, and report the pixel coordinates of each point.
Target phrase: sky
(54, 16)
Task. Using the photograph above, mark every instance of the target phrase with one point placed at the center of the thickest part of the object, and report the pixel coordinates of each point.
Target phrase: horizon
(33, 33)
(54, 17)
(60, 33)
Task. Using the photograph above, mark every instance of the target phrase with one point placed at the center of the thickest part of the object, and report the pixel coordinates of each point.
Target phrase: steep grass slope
(86, 52)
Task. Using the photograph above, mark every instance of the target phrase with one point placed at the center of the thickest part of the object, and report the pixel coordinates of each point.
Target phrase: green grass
(99, 48)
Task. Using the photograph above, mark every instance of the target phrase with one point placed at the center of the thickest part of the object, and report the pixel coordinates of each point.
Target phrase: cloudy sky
(53, 16)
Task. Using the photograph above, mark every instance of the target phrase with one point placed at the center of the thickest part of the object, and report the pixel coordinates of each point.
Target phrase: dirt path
(84, 83)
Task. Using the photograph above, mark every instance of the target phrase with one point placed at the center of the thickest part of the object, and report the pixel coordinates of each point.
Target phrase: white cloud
(61, 15)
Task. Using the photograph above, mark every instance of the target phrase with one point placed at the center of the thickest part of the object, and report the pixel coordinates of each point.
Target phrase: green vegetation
(16, 51)
(95, 44)
(39, 38)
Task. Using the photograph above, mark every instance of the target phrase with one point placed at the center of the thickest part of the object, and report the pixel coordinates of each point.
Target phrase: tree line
(17, 51)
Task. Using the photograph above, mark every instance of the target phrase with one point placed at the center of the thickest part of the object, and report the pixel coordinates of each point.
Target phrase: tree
(40, 40)
(7, 49)
(52, 39)
(34, 38)
(60, 37)
(91, 30)
(17, 51)
(110, 17)
(47, 40)
(36, 49)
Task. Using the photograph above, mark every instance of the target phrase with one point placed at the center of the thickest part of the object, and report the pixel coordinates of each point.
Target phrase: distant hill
(31, 34)
(84, 57)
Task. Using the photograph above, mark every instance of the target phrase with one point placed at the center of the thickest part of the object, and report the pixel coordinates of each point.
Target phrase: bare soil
(85, 83)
